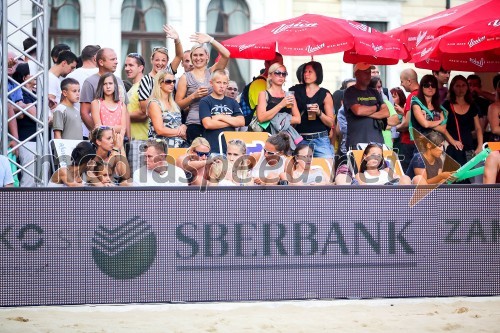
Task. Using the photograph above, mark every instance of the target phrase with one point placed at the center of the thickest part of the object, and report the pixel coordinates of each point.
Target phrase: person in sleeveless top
(267, 165)
(463, 120)
(194, 85)
(165, 121)
(159, 62)
(107, 108)
(273, 100)
(317, 120)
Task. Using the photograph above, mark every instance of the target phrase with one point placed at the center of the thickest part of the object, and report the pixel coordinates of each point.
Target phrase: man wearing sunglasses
(157, 171)
(219, 113)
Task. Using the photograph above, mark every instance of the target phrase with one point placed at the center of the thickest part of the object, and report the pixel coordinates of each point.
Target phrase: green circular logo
(126, 251)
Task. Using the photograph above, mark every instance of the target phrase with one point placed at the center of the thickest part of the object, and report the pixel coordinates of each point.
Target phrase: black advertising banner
(93, 246)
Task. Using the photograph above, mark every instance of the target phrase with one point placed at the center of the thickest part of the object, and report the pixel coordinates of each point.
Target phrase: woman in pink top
(106, 108)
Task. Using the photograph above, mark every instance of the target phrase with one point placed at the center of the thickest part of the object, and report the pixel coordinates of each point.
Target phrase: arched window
(142, 28)
(226, 19)
(65, 24)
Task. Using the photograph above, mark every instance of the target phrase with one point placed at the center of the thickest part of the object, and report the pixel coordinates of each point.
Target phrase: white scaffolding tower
(10, 33)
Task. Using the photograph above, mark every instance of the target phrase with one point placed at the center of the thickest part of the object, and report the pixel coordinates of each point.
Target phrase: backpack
(245, 104)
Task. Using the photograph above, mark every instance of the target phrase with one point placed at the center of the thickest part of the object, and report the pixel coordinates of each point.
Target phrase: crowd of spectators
(127, 133)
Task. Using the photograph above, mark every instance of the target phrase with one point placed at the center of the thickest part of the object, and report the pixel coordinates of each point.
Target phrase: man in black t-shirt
(219, 113)
(366, 112)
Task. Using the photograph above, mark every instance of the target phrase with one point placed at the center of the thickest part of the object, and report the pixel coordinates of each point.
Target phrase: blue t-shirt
(16, 96)
(209, 107)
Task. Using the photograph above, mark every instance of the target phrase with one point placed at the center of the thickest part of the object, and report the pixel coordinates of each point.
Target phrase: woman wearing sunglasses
(159, 62)
(165, 120)
(268, 165)
(109, 149)
(316, 111)
(274, 100)
(195, 85)
(194, 162)
(426, 112)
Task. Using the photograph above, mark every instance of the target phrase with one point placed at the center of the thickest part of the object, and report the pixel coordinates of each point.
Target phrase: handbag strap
(456, 122)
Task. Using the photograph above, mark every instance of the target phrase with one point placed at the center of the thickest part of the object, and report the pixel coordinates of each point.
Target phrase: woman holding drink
(316, 111)
(195, 85)
(275, 100)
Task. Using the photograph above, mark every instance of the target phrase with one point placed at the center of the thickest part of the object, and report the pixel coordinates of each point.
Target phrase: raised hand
(170, 32)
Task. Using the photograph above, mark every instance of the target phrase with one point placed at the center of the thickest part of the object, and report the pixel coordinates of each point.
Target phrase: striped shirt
(146, 85)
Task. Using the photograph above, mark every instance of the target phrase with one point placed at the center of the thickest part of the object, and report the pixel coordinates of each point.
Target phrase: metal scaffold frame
(10, 31)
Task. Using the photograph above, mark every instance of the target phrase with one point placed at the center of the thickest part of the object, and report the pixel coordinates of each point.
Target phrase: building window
(226, 19)
(142, 28)
(65, 24)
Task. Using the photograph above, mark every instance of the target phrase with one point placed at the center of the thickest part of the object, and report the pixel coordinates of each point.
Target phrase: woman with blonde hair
(274, 101)
(159, 62)
(194, 162)
(238, 162)
(195, 84)
(165, 121)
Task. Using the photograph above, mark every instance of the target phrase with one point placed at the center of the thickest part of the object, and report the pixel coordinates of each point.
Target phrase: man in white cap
(366, 113)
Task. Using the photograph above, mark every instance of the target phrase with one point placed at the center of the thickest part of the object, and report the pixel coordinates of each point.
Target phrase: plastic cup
(311, 115)
(289, 93)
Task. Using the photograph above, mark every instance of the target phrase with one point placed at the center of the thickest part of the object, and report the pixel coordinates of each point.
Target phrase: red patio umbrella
(311, 34)
(428, 28)
(473, 47)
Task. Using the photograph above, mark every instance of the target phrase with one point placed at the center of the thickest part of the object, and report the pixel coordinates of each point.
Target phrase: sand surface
(473, 314)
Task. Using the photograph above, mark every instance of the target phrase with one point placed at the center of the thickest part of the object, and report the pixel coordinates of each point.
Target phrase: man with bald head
(406, 147)
(107, 62)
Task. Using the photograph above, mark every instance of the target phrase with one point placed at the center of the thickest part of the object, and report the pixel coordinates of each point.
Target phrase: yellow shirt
(253, 92)
(139, 130)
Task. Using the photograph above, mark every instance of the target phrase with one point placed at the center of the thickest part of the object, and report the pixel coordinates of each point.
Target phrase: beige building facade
(126, 27)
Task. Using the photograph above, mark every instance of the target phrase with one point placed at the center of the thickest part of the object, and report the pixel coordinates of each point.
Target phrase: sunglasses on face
(201, 153)
(138, 57)
(169, 81)
(270, 153)
(428, 85)
(278, 73)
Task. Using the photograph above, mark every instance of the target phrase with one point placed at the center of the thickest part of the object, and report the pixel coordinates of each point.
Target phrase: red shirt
(405, 136)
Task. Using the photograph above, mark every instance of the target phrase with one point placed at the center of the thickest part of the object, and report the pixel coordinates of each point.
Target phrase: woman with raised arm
(159, 62)
(194, 85)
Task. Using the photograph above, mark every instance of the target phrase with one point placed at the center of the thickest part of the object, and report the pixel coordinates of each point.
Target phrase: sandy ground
(474, 314)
